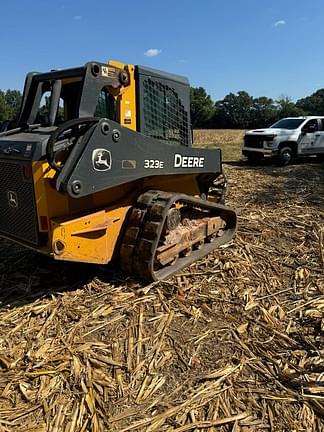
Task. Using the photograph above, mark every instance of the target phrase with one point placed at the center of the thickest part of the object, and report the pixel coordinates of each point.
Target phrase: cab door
(309, 136)
(319, 138)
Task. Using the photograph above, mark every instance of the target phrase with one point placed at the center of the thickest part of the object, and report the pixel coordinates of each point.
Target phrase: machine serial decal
(129, 164)
(12, 199)
(188, 161)
(101, 160)
(153, 163)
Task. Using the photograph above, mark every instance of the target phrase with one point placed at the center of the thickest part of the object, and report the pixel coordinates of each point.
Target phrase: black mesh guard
(164, 107)
(17, 204)
(164, 115)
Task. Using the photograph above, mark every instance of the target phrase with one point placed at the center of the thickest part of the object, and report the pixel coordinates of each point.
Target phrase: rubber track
(145, 225)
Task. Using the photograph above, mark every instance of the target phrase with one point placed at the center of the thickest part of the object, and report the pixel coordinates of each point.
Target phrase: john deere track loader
(100, 167)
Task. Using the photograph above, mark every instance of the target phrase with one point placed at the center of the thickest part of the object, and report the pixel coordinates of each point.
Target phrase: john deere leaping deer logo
(12, 199)
(101, 160)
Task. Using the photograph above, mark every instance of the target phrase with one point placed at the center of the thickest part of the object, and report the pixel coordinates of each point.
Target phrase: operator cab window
(106, 106)
(43, 109)
(70, 94)
(66, 106)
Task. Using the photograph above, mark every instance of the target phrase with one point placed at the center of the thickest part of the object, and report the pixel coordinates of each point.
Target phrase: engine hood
(25, 145)
(273, 131)
(269, 131)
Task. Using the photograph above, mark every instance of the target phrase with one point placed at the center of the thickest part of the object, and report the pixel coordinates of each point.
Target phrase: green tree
(4, 109)
(235, 110)
(13, 100)
(313, 104)
(10, 101)
(201, 107)
(287, 108)
(264, 112)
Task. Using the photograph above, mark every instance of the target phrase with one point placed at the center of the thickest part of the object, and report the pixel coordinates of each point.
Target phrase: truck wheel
(285, 155)
(320, 157)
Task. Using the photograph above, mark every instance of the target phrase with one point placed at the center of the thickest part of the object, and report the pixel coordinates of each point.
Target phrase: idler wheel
(173, 219)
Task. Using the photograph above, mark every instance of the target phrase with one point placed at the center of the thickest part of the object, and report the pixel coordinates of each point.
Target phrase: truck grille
(17, 205)
(256, 141)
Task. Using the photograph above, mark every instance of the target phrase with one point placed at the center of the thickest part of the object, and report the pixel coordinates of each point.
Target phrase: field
(234, 343)
(229, 140)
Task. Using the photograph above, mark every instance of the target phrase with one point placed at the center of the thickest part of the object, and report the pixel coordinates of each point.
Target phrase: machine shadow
(26, 276)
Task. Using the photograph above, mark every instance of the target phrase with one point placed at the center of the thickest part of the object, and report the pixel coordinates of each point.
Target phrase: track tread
(145, 226)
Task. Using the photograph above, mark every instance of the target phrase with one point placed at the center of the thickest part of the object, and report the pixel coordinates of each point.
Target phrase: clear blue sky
(267, 48)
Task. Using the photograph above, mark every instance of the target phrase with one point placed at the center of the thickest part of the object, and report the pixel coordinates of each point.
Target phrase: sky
(267, 48)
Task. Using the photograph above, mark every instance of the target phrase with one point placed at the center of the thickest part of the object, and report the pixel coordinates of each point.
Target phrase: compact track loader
(99, 166)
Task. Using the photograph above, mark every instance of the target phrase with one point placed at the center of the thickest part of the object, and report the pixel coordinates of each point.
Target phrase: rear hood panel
(24, 145)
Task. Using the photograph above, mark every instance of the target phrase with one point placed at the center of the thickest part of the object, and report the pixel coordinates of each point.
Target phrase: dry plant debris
(233, 343)
(229, 140)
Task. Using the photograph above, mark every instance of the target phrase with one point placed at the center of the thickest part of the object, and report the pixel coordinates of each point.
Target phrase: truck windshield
(288, 123)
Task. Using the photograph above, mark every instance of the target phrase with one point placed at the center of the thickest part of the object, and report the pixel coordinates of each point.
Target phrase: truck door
(319, 138)
(308, 137)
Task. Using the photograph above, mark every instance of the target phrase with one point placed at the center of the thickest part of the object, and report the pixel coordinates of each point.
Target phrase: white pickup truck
(285, 140)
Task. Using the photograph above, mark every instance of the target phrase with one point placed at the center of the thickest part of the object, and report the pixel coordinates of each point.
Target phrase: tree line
(235, 111)
(9, 104)
(243, 111)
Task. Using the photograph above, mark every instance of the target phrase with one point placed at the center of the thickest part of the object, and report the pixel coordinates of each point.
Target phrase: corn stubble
(233, 343)
(228, 140)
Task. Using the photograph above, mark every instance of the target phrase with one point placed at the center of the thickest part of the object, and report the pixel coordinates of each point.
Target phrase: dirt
(232, 343)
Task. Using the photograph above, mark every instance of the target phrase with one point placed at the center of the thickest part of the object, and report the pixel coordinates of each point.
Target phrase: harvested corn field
(233, 343)
(229, 140)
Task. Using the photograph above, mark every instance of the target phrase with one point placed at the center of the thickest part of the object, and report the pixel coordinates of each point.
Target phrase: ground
(229, 140)
(233, 343)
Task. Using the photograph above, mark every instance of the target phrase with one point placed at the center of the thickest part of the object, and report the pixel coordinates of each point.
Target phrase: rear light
(43, 223)
(27, 170)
